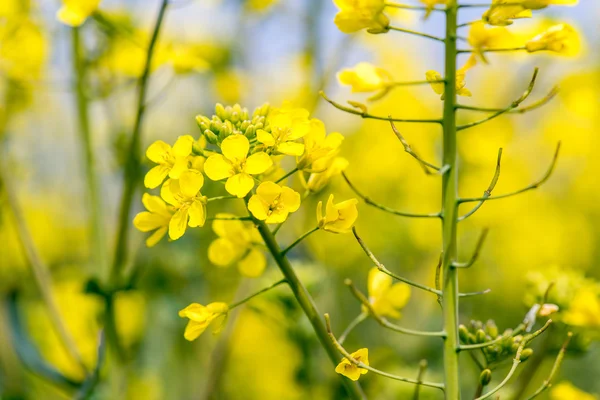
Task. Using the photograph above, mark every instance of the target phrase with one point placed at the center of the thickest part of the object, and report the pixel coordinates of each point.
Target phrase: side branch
(362, 365)
(520, 328)
(409, 7)
(411, 32)
(543, 101)
(384, 208)
(407, 148)
(557, 363)
(534, 185)
(476, 252)
(488, 192)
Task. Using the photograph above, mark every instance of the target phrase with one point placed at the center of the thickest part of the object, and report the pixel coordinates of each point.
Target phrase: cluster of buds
(230, 120)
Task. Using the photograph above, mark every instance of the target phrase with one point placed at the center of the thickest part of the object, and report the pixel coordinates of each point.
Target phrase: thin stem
(220, 198)
(520, 328)
(273, 286)
(360, 364)
(411, 32)
(287, 175)
(364, 114)
(384, 322)
(297, 241)
(468, 23)
(90, 384)
(384, 208)
(420, 375)
(532, 186)
(557, 363)
(544, 100)
(504, 50)
(488, 5)
(277, 228)
(407, 148)
(229, 219)
(488, 192)
(516, 361)
(476, 252)
(512, 106)
(353, 324)
(408, 7)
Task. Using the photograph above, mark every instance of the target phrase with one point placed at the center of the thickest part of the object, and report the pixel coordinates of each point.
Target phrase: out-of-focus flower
(172, 161)
(287, 125)
(260, 5)
(319, 148)
(539, 4)
(562, 39)
(430, 4)
(23, 49)
(502, 12)
(201, 317)
(584, 310)
(365, 77)
(186, 58)
(273, 203)
(235, 165)
(190, 205)
(355, 15)
(481, 38)
(338, 218)
(350, 370)
(461, 90)
(156, 218)
(386, 297)
(75, 12)
(566, 391)
(318, 180)
(547, 310)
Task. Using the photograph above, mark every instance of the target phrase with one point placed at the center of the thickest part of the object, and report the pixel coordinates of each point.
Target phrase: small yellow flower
(355, 15)
(287, 125)
(260, 5)
(560, 38)
(235, 165)
(461, 90)
(172, 161)
(539, 4)
(237, 243)
(187, 58)
(273, 203)
(339, 218)
(350, 370)
(430, 4)
(481, 38)
(584, 309)
(365, 77)
(184, 194)
(155, 219)
(566, 391)
(385, 297)
(317, 181)
(201, 317)
(75, 12)
(502, 12)
(319, 148)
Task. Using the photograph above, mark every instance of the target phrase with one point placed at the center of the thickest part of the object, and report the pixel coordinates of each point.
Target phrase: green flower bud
(235, 117)
(220, 111)
(463, 333)
(480, 336)
(525, 354)
(210, 136)
(485, 377)
(250, 132)
(203, 122)
(491, 328)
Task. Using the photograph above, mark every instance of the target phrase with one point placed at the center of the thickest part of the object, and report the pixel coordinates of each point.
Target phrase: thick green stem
(449, 207)
(97, 237)
(307, 304)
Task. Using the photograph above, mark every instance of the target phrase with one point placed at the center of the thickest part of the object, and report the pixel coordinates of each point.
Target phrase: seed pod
(485, 377)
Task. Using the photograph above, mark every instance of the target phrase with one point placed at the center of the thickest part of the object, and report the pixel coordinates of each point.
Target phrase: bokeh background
(270, 51)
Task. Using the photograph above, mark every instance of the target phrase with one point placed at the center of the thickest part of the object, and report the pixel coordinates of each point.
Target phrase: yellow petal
(183, 146)
(235, 147)
(156, 176)
(156, 236)
(265, 137)
(258, 207)
(230, 229)
(269, 192)
(190, 183)
(277, 216)
(398, 295)
(155, 204)
(433, 76)
(180, 165)
(223, 252)
(194, 329)
(378, 284)
(253, 265)
(239, 185)
(258, 163)
(197, 214)
(166, 192)
(178, 223)
(331, 212)
(158, 151)
(291, 149)
(147, 222)
(194, 311)
(218, 167)
(290, 198)
(70, 17)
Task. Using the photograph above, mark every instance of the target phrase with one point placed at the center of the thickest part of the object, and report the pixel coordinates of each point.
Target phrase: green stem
(353, 324)
(239, 303)
(287, 175)
(450, 208)
(307, 304)
(297, 241)
(411, 32)
(97, 236)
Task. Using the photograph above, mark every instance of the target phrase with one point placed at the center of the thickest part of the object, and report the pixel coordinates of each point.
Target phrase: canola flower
(387, 298)
(561, 38)
(172, 161)
(365, 77)
(351, 370)
(23, 48)
(430, 4)
(319, 148)
(584, 309)
(317, 181)
(200, 317)
(190, 205)
(539, 4)
(156, 218)
(503, 12)
(76, 12)
(355, 15)
(287, 125)
(461, 73)
(273, 203)
(567, 391)
(481, 38)
(338, 218)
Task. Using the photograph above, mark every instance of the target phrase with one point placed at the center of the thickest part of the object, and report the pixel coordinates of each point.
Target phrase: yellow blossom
(23, 49)
(350, 370)
(184, 194)
(481, 38)
(385, 297)
(365, 77)
(201, 317)
(319, 148)
(461, 90)
(584, 310)
(339, 218)
(237, 243)
(560, 38)
(318, 180)
(75, 12)
(287, 125)
(566, 391)
(260, 5)
(155, 219)
(539, 4)
(172, 161)
(187, 58)
(235, 165)
(502, 12)
(355, 15)
(273, 203)
(430, 4)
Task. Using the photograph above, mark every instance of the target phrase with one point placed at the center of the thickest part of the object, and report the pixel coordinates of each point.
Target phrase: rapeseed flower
(318, 180)
(386, 297)
(461, 73)
(355, 15)
(319, 148)
(481, 38)
(201, 317)
(184, 194)
(287, 125)
(338, 218)
(273, 203)
(172, 161)
(156, 218)
(75, 12)
(502, 12)
(560, 38)
(351, 370)
(365, 77)
(566, 391)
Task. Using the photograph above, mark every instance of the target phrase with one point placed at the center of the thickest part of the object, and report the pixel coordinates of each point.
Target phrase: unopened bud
(211, 137)
(547, 309)
(491, 328)
(480, 336)
(485, 377)
(220, 111)
(525, 354)
(463, 333)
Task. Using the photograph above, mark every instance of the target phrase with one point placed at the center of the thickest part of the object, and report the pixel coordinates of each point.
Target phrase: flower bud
(463, 333)
(203, 122)
(220, 111)
(480, 336)
(485, 377)
(211, 137)
(525, 354)
(491, 328)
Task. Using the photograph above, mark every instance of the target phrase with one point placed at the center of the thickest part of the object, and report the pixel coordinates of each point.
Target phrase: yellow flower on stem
(319, 148)
(273, 203)
(364, 77)
(386, 298)
(539, 4)
(155, 219)
(433, 77)
(318, 180)
(481, 38)
(584, 310)
(237, 243)
(184, 194)
(430, 4)
(502, 12)
(349, 369)
(566, 391)
(355, 15)
(75, 12)
(338, 218)
(236, 166)
(201, 317)
(172, 161)
(562, 39)
(287, 125)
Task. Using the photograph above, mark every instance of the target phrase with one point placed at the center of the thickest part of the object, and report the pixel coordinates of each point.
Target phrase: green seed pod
(525, 354)
(480, 336)
(211, 137)
(485, 377)
(220, 111)
(463, 333)
(491, 328)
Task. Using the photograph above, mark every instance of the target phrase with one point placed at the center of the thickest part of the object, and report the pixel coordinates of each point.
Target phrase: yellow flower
(23, 49)
(184, 194)
(75, 12)
(236, 243)
(386, 298)
(287, 125)
(317, 181)
(172, 161)
(584, 309)
(201, 317)
(481, 38)
(350, 370)
(364, 77)
(339, 218)
(560, 38)
(566, 391)
(187, 58)
(430, 4)
(355, 15)
(461, 90)
(539, 4)
(502, 12)
(273, 203)
(155, 219)
(319, 148)
(235, 165)
(260, 5)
